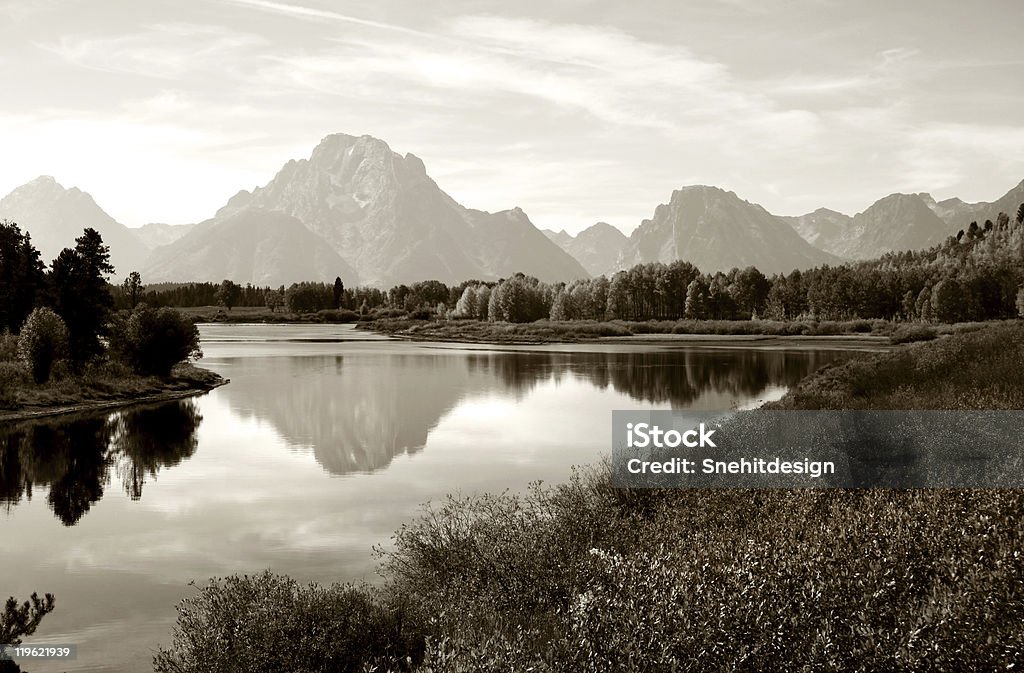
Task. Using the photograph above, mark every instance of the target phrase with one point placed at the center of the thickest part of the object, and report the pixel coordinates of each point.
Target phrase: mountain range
(358, 210)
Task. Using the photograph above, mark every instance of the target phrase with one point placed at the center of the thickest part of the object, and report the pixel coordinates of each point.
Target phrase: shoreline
(87, 406)
(866, 342)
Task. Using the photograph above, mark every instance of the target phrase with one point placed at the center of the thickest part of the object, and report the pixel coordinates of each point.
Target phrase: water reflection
(75, 457)
(358, 412)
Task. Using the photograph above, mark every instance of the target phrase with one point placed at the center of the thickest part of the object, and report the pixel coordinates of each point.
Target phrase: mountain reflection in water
(359, 412)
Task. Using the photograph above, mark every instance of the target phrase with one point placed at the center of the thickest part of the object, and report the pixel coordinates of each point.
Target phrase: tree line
(976, 275)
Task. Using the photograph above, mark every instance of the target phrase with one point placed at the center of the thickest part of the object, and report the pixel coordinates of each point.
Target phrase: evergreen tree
(339, 291)
(21, 276)
(81, 295)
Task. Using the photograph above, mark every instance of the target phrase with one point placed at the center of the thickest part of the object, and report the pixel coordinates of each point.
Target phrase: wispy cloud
(301, 12)
(165, 51)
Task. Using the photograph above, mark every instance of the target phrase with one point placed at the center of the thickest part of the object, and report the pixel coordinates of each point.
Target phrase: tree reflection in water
(76, 457)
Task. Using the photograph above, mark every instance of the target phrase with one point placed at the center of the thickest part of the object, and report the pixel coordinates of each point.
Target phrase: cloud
(164, 51)
(301, 12)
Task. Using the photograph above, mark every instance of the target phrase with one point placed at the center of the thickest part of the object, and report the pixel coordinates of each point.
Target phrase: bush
(12, 377)
(271, 623)
(152, 341)
(8, 347)
(336, 315)
(43, 339)
(909, 333)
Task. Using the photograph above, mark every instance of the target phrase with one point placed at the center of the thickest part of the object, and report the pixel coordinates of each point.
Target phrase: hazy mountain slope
(56, 216)
(384, 215)
(156, 234)
(515, 244)
(825, 229)
(716, 231)
(248, 245)
(958, 214)
(894, 223)
(559, 238)
(597, 248)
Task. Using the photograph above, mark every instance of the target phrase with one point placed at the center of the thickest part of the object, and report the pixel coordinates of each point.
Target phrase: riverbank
(585, 577)
(689, 331)
(100, 390)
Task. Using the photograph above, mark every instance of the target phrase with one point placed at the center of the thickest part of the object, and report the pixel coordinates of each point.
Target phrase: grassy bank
(549, 331)
(251, 314)
(101, 385)
(585, 577)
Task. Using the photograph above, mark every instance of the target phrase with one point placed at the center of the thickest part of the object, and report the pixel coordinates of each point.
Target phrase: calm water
(323, 444)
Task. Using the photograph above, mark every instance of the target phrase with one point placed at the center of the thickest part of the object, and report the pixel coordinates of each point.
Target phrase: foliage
(975, 369)
(13, 376)
(43, 340)
(270, 623)
(8, 346)
(132, 288)
(21, 276)
(337, 292)
(909, 333)
(19, 620)
(81, 294)
(309, 297)
(228, 294)
(153, 340)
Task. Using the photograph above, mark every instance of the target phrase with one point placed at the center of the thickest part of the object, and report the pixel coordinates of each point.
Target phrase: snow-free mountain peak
(55, 216)
(716, 230)
(382, 213)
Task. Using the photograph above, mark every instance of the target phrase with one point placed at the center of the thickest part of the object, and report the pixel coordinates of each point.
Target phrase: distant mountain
(156, 234)
(559, 238)
(716, 230)
(390, 221)
(56, 216)
(825, 229)
(959, 214)
(248, 245)
(897, 222)
(597, 247)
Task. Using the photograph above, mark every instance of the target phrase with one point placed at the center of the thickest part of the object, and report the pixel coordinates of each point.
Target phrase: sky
(577, 111)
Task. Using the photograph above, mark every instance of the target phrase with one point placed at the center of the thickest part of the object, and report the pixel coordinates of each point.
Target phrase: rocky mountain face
(156, 234)
(389, 220)
(249, 245)
(597, 247)
(716, 230)
(56, 216)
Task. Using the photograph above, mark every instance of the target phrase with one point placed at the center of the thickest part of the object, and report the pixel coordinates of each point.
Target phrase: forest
(976, 275)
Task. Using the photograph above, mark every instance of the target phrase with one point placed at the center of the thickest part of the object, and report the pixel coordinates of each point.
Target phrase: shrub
(152, 341)
(910, 333)
(271, 623)
(336, 315)
(8, 346)
(12, 377)
(43, 339)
